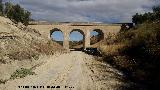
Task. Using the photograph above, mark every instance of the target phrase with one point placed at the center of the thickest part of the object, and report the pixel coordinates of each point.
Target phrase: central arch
(80, 44)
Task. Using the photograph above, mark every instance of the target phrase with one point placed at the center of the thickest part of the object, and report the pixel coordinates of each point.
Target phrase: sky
(106, 11)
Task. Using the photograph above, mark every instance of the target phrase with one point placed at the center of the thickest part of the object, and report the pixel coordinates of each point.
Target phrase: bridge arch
(82, 33)
(96, 38)
(60, 35)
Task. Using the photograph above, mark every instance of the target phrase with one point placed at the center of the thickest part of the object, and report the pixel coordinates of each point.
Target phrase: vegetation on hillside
(21, 73)
(147, 17)
(15, 12)
(136, 51)
(1, 8)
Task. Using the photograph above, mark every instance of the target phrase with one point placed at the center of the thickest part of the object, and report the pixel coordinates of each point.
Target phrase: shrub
(21, 73)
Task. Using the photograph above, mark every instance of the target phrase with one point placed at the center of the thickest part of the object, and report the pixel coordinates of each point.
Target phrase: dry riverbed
(70, 71)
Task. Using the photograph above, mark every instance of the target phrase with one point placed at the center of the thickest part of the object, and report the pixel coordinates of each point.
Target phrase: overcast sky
(109, 11)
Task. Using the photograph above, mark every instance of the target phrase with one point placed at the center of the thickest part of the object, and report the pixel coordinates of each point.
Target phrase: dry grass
(16, 49)
(111, 50)
(48, 48)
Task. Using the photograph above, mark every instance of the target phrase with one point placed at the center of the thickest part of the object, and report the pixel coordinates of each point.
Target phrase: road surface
(71, 71)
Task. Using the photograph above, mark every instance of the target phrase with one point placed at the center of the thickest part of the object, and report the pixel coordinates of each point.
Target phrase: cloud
(86, 10)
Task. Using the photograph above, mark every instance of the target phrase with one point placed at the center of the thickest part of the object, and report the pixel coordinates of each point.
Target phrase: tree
(1, 7)
(137, 19)
(156, 10)
(147, 17)
(27, 15)
(17, 13)
(8, 11)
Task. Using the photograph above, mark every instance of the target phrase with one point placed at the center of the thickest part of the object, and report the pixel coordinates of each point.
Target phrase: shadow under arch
(83, 40)
(98, 37)
(56, 30)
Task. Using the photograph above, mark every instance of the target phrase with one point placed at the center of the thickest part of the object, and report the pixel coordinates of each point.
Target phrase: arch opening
(76, 39)
(96, 36)
(57, 36)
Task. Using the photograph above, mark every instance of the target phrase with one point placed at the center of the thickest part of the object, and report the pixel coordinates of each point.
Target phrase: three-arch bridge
(83, 28)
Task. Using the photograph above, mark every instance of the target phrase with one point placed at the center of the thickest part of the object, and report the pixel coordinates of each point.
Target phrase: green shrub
(21, 73)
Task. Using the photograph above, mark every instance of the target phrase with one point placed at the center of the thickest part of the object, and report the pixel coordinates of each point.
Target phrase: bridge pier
(87, 39)
(66, 41)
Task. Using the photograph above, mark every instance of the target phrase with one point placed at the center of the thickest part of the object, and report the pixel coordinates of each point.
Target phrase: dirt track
(76, 69)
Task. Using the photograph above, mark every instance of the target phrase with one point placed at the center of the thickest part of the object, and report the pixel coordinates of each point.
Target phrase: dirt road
(71, 71)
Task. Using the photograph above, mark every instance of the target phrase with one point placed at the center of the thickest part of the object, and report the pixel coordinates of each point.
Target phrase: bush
(21, 73)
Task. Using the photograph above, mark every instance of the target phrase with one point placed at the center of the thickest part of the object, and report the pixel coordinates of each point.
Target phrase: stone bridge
(84, 29)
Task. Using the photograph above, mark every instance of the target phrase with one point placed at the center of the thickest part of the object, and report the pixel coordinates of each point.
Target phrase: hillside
(16, 39)
(21, 46)
(136, 52)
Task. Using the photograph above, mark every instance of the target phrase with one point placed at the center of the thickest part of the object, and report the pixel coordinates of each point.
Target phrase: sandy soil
(76, 70)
